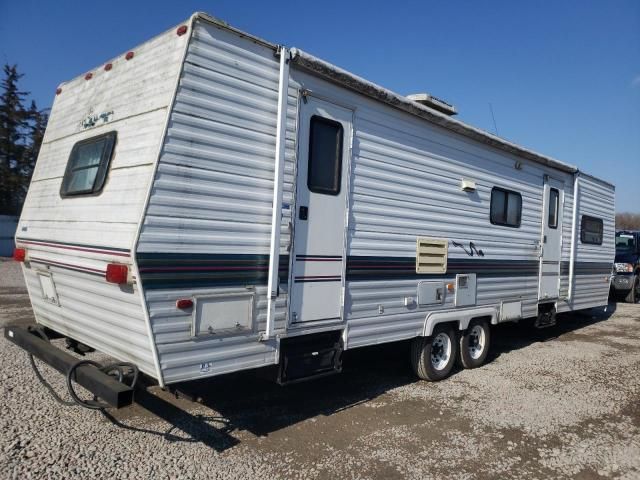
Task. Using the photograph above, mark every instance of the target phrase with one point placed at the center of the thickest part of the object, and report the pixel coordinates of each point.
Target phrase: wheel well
(487, 318)
(460, 319)
(453, 323)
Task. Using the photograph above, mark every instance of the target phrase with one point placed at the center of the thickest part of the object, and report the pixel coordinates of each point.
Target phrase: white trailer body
(257, 195)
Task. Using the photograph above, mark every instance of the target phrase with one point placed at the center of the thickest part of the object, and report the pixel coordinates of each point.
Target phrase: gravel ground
(559, 403)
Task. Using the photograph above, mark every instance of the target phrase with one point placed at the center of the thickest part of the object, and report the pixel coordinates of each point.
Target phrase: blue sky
(563, 77)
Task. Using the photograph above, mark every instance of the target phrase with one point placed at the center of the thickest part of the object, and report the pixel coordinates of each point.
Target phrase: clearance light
(129, 55)
(58, 91)
(184, 303)
(19, 254)
(108, 66)
(181, 30)
(88, 76)
(116, 273)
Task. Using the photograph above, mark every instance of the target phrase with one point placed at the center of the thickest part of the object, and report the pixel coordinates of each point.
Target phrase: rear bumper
(622, 282)
(105, 387)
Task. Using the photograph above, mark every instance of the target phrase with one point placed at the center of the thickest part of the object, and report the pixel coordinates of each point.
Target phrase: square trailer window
(88, 165)
(591, 229)
(506, 207)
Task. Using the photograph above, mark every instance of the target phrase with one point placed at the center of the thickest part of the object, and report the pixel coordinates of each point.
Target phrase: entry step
(546, 316)
(310, 356)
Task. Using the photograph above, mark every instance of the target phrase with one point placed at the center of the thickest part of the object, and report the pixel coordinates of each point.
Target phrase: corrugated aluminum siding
(406, 178)
(78, 236)
(212, 197)
(596, 199)
(105, 316)
(137, 92)
(213, 191)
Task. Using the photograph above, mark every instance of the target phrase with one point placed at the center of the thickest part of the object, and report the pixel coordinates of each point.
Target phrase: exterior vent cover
(431, 255)
(434, 102)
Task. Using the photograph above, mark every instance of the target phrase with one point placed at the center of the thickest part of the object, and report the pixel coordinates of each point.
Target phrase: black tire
(468, 356)
(422, 359)
(632, 296)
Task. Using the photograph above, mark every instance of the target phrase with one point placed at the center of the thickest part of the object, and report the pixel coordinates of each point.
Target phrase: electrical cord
(108, 369)
(115, 369)
(38, 331)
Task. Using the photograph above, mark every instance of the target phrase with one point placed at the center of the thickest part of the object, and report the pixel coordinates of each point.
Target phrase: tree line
(628, 221)
(22, 126)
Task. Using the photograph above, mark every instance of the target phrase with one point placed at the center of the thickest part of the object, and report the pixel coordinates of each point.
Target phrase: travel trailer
(211, 202)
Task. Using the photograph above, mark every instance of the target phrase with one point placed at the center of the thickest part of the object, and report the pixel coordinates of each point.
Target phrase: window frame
(103, 166)
(582, 231)
(326, 121)
(557, 207)
(506, 207)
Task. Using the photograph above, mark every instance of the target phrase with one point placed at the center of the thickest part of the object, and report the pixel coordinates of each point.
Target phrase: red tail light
(184, 303)
(19, 254)
(116, 273)
(181, 30)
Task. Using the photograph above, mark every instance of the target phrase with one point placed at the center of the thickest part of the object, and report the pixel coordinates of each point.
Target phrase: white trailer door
(318, 263)
(551, 240)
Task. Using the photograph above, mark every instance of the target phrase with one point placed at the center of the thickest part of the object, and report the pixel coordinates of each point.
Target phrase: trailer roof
(338, 75)
(370, 89)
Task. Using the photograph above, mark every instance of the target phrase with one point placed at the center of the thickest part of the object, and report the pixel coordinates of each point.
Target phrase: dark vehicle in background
(626, 280)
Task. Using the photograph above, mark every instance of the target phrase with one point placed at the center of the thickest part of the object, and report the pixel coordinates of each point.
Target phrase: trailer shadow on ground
(252, 402)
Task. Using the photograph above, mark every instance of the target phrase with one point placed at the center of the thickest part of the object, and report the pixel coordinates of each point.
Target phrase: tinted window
(325, 156)
(87, 166)
(554, 205)
(625, 243)
(506, 207)
(591, 230)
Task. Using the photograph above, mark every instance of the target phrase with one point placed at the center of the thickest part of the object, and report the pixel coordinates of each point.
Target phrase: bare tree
(627, 221)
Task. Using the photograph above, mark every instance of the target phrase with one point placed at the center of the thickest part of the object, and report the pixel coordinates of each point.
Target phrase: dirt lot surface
(557, 403)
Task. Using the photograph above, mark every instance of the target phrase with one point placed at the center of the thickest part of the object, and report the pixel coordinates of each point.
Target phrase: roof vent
(433, 102)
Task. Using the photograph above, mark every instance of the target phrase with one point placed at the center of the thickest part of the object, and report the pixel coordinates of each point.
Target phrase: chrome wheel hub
(477, 341)
(440, 351)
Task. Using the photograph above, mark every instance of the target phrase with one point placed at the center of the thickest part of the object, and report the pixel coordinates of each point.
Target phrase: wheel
(474, 344)
(433, 357)
(634, 293)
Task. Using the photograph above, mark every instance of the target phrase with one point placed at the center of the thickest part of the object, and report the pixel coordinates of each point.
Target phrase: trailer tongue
(88, 374)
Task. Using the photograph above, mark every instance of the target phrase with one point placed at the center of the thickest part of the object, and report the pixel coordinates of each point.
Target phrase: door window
(554, 205)
(325, 156)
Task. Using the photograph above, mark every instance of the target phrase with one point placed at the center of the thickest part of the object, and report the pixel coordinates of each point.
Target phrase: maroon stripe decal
(382, 265)
(67, 265)
(318, 278)
(318, 259)
(81, 249)
(202, 268)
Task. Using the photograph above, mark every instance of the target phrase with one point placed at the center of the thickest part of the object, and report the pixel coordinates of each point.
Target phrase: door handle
(304, 213)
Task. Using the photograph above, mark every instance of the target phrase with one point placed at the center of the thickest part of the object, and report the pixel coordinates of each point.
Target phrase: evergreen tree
(21, 132)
